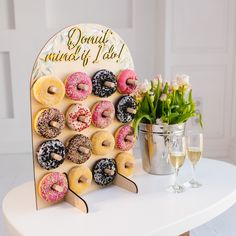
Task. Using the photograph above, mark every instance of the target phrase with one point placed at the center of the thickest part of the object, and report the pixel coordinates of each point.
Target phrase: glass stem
(176, 176)
(194, 173)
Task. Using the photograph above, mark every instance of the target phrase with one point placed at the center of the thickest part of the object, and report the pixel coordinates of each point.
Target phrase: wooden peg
(109, 172)
(106, 113)
(83, 179)
(106, 143)
(55, 124)
(84, 150)
(56, 156)
(130, 138)
(131, 110)
(57, 188)
(83, 119)
(53, 90)
(132, 82)
(109, 84)
(129, 164)
(84, 87)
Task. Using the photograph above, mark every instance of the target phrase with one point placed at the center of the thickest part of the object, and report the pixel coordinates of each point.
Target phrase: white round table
(114, 211)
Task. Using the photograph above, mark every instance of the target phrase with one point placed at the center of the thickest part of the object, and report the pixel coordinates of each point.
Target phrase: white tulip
(182, 80)
(157, 79)
(174, 84)
(144, 87)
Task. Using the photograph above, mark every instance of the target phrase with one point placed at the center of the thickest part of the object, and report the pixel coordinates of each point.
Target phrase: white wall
(200, 41)
(185, 36)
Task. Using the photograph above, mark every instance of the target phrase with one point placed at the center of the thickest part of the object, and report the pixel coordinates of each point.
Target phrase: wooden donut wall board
(110, 53)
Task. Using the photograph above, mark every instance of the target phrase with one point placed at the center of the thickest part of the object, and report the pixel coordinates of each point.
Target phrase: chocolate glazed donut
(51, 154)
(104, 171)
(125, 109)
(104, 83)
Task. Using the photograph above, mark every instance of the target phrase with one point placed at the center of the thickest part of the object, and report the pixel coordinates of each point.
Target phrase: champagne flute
(177, 153)
(194, 147)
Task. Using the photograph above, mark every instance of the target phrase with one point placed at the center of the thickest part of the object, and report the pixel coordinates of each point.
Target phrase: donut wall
(81, 108)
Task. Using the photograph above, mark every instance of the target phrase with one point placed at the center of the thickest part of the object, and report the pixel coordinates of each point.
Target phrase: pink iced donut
(78, 117)
(53, 187)
(78, 86)
(124, 138)
(103, 113)
(126, 81)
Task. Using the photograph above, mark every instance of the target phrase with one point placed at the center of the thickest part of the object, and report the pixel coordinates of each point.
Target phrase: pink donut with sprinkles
(126, 81)
(78, 117)
(103, 113)
(124, 138)
(53, 187)
(78, 86)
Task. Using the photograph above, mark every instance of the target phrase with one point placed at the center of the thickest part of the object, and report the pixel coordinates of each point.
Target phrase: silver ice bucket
(154, 141)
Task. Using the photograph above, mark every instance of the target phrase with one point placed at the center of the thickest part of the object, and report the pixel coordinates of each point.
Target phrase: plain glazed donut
(80, 178)
(53, 187)
(51, 154)
(126, 109)
(104, 83)
(48, 90)
(124, 138)
(103, 113)
(78, 86)
(78, 117)
(126, 81)
(78, 149)
(49, 122)
(125, 164)
(103, 143)
(104, 171)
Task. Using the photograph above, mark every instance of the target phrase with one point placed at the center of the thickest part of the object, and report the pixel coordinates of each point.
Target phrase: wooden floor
(19, 170)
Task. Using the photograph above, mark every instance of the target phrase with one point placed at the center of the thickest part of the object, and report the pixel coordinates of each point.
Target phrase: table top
(115, 211)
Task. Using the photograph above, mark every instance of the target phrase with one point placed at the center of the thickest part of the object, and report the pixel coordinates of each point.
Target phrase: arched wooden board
(86, 48)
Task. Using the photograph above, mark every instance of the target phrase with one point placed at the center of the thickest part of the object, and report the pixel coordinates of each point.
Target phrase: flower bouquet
(162, 110)
(161, 102)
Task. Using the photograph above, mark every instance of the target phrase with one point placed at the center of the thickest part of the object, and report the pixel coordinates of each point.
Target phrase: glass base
(194, 184)
(176, 188)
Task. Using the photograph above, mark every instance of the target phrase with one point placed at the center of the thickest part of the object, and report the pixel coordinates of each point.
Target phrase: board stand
(125, 183)
(80, 203)
(120, 181)
(101, 48)
(76, 201)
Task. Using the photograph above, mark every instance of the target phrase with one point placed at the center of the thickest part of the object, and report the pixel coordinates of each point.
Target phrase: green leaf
(139, 119)
(156, 96)
(144, 106)
(165, 90)
(172, 117)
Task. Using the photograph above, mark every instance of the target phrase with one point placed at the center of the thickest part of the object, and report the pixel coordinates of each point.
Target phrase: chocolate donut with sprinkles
(126, 109)
(49, 122)
(104, 83)
(51, 154)
(104, 171)
(78, 149)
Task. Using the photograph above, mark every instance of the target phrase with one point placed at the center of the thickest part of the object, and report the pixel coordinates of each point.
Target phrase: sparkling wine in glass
(194, 147)
(177, 153)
